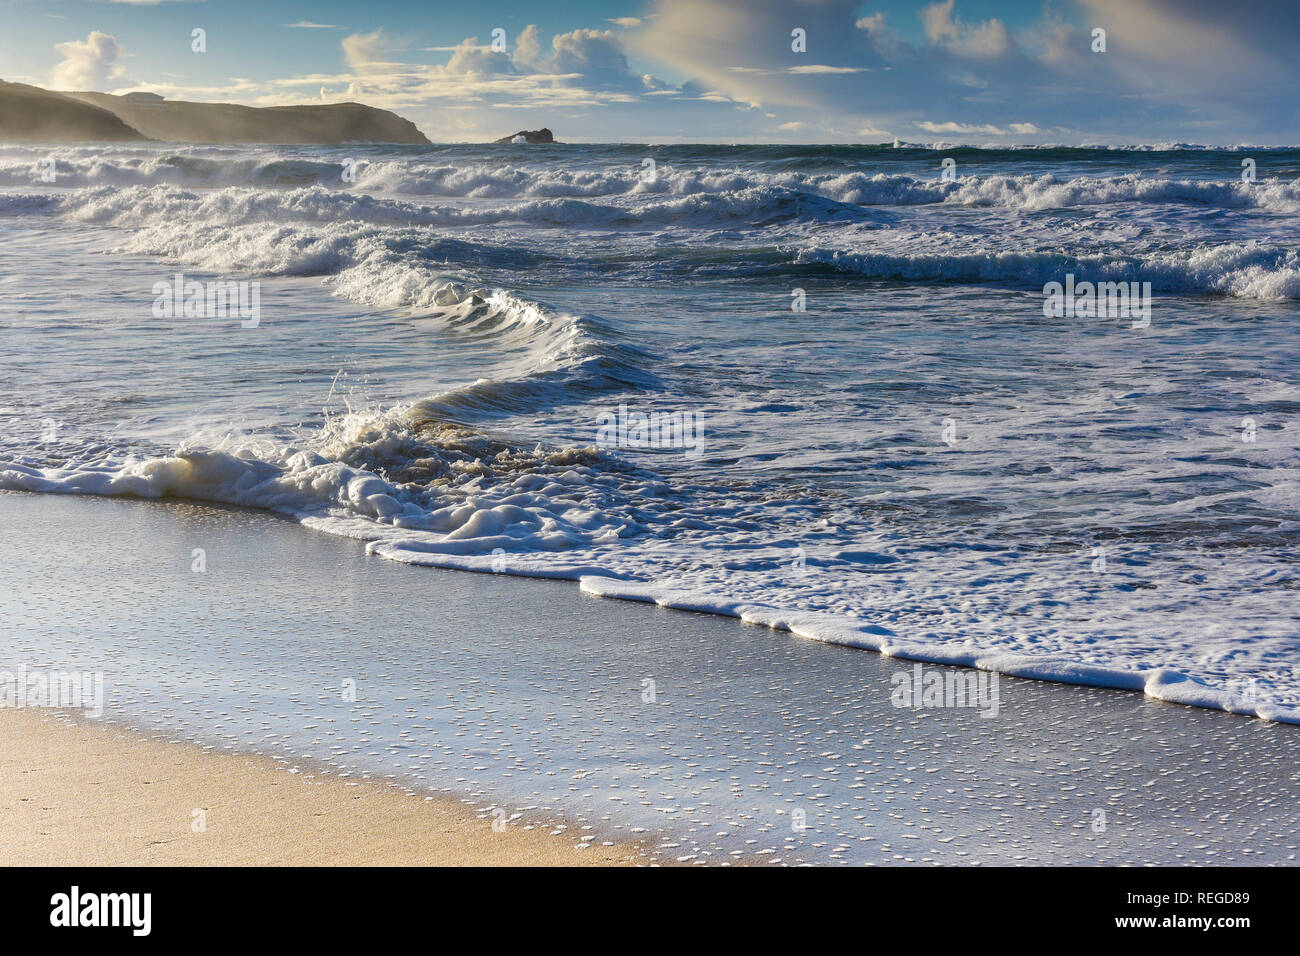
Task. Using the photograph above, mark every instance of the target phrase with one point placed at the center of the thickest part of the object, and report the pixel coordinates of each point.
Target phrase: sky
(739, 71)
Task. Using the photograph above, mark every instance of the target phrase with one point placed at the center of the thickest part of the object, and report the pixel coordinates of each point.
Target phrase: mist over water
(918, 461)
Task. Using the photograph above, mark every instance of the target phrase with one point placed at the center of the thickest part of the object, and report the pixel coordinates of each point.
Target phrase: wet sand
(705, 739)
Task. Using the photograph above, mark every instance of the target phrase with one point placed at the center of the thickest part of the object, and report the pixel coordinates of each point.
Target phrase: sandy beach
(698, 737)
(74, 793)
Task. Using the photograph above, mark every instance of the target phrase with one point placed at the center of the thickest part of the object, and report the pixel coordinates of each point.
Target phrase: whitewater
(900, 451)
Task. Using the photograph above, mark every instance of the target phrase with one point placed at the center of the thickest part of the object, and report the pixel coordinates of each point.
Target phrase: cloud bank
(819, 70)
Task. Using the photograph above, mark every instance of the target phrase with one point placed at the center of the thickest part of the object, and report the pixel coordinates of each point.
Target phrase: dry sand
(79, 793)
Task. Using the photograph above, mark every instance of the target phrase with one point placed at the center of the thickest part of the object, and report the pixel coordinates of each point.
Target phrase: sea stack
(542, 135)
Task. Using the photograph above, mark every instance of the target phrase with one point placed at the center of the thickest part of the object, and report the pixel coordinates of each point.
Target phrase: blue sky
(976, 71)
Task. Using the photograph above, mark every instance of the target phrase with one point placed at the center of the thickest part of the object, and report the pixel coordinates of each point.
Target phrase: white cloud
(595, 57)
(88, 64)
(308, 25)
(937, 20)
(873, 25)
(990, 38)
(970, 129)
(823, 69)
(597, 54)
(471, 58)
(528, 48)
(743, 48)
(987, 39)
(365, 53)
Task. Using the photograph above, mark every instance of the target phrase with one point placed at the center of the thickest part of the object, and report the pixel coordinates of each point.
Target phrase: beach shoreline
(76, 792)
(679, 738)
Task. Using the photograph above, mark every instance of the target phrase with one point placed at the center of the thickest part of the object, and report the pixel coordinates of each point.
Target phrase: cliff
(31, 114)
(324, 125)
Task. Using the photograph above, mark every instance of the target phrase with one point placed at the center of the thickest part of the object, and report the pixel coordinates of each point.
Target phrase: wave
(433, 493)
(140, 205)
(545, 357)
(436, 494)
(379, 251)
(496, 181)
(839, 200)
(425, 466)
(71, 169)
(1245, 270)
(1066, 150)
(853, 187)
(1048, 192)
(567, 358)
(472, 492)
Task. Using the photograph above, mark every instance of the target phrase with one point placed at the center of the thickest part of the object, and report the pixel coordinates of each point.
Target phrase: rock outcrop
(542, 135)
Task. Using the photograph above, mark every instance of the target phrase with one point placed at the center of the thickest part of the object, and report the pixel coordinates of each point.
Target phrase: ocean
(829, 390)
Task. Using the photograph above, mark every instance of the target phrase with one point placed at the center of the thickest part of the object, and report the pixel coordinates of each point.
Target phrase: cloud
(873, 25)
(1182, 70)
(469, 57)
(987, 39)
(87, 64)
(596, 54)
(744, 48)
(1196, 38)
(582, 72)
(1231, 68)
(987, 129)
(308, 25)
(813, 69)
(1176, 69)
(528, 48)
(366, 53)
(937, 19)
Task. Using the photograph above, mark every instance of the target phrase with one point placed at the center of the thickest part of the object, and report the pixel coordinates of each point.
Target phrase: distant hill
(31, 114)
(323, 125)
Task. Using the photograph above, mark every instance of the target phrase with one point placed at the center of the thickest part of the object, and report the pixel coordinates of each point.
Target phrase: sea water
(813, 387)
